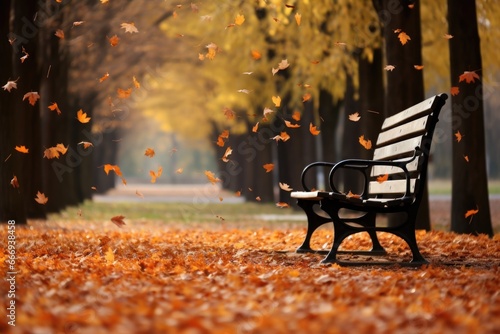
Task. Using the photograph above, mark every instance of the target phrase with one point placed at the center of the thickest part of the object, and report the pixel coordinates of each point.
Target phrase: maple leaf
(298, 18)
(21, 149)
(283, 136)
(149, 152)
(354, 117)
(123, 93)
(367, 144)
(26, 55)
(41, 198)
(220, 141)
(154, 175)
(211, 177)
(114, 168)
(296, 115)
(82, 116)
(458, 136)
(389, 67)
(268, 167)
(468, 76)
(10, 85)
(283, 64)
(454, 91)
(228, 113)
(314, 131)
(403, 38)
(267, 111)
(341, 44)
(306, 97)
(55, 151)
(61, 148)
(85, 144)
(291, 125)
(224, 134)
(256, 55)
(118, 220)
(229, 150)
(285, 187)
(239, 19)
(212, 51)
(59, 33)
(282, 205)
(129, 27)
(114, 40)
(104, 77)
(276, 101)
(14, 182)
(471, 213)
(382, 178)
(32, 97)
(55, 107)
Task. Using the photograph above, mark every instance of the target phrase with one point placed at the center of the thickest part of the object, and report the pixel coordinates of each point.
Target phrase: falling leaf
(109, 255)
(136, 83)
(41, 198)
(179, 170)
(403, 38)
(211, 177)
(418, 67)
(78, 23)
(466, 157)
(239, 19)
(246, 91)
(276, 101)
(21, 149)
(306, 97)
(114, 40)
(14, 183)
(55, 107)
(354, 117)
(267, 111)
(283, 136)
(367, 144)
(10, 85)
(82, 116)
(291, 125)
(114, 168)
(282, 205)
(382, 178)
(104, 77)
(228, 113)
(268, 167)
(238, 193)
(59, 33)
(350, 194)
(285, 187)
(212, 51)
(123, 93)
(471, 213)
(458, 136)
(258, 199)
(283, 64)
(454, 91)
(314, 131)
(447, 36)
(255, 127)
(298, 18)
(468, 76)
(154, 175)
(55, 151)
(389, 67)
(129, 27)
(32, 97)
(26, 55)
(256, 55)
(118, 220)
(220, 141)
(149, 152)
(229, 150)
(341, 44)
(296, 115)
(85, 144)
(139, 194)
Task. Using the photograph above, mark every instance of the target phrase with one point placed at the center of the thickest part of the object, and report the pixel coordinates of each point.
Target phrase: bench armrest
(309, 167)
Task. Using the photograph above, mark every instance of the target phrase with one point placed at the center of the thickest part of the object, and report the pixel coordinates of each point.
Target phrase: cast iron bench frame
(401, 153)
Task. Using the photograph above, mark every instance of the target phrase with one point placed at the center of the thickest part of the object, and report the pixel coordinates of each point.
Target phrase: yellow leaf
(239, 19)
(276, 101)
(82, 117)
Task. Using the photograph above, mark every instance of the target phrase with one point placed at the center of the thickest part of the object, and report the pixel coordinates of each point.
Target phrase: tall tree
(405, 84)
(469, 180)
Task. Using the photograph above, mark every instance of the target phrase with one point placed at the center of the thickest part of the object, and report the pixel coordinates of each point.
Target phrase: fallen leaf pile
(159, 278)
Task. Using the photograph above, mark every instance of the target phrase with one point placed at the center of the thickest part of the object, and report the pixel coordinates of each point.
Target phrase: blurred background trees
(197, 78)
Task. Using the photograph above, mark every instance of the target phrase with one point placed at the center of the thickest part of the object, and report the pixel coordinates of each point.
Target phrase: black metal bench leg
(407, 233)
(313, 222)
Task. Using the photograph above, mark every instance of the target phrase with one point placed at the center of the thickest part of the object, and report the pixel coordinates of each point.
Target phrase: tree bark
(469, 180)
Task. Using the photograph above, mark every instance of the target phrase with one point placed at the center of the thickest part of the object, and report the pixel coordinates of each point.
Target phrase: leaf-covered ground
(81, 277)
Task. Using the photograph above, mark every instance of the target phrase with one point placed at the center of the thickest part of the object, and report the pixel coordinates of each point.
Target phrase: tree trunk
(405, 84)
(469, 180)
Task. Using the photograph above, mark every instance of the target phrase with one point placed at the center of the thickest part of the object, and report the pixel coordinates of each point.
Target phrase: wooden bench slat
(382, 170)
(399, 149)
(417, 110)
(390, 187)
(415, 127)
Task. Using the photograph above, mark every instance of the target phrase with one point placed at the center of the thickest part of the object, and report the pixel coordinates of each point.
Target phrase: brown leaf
(118, 220)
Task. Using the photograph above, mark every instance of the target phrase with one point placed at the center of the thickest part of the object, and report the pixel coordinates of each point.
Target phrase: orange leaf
(351, 195)
(419, 67)
(179, 170)
(306, 97)
(211, 177)
(239, 19)
(296, 115)
(114, 168)
(314, 131)
(468, 76)
(268, 167)
(466, 157)
(471, 213)
(220, 141)
(156, 175)
(282, 136)
(32, 97)
(282, 205)
(59, 33)
(149, 152)
(114, 40)
(228, 113)
(354, 117)
(14, 183)
(224, 134)
(365, 143)
(55, 107)
(382, 178)
(85, 144)
(118, 220)
(298, 18)
(21, 149)
(82, 117)
(136, 83)
(454, 91)
(447, 36)
(123, 94)
(40, 198)
(228, 152)
(256, 54)
(104, 77)
(55, 151)
(255, 127)
(285, 187)
(458, 136)
(276, 101)
(403, 38)
(109, 255)
(290, 125)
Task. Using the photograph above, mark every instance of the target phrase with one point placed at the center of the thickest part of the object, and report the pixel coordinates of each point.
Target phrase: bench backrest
(400, 135)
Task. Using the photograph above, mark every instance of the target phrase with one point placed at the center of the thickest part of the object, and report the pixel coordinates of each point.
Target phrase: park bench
(393, 183)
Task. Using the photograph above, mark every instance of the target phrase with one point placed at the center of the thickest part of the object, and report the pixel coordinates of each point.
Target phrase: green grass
(443, 187)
